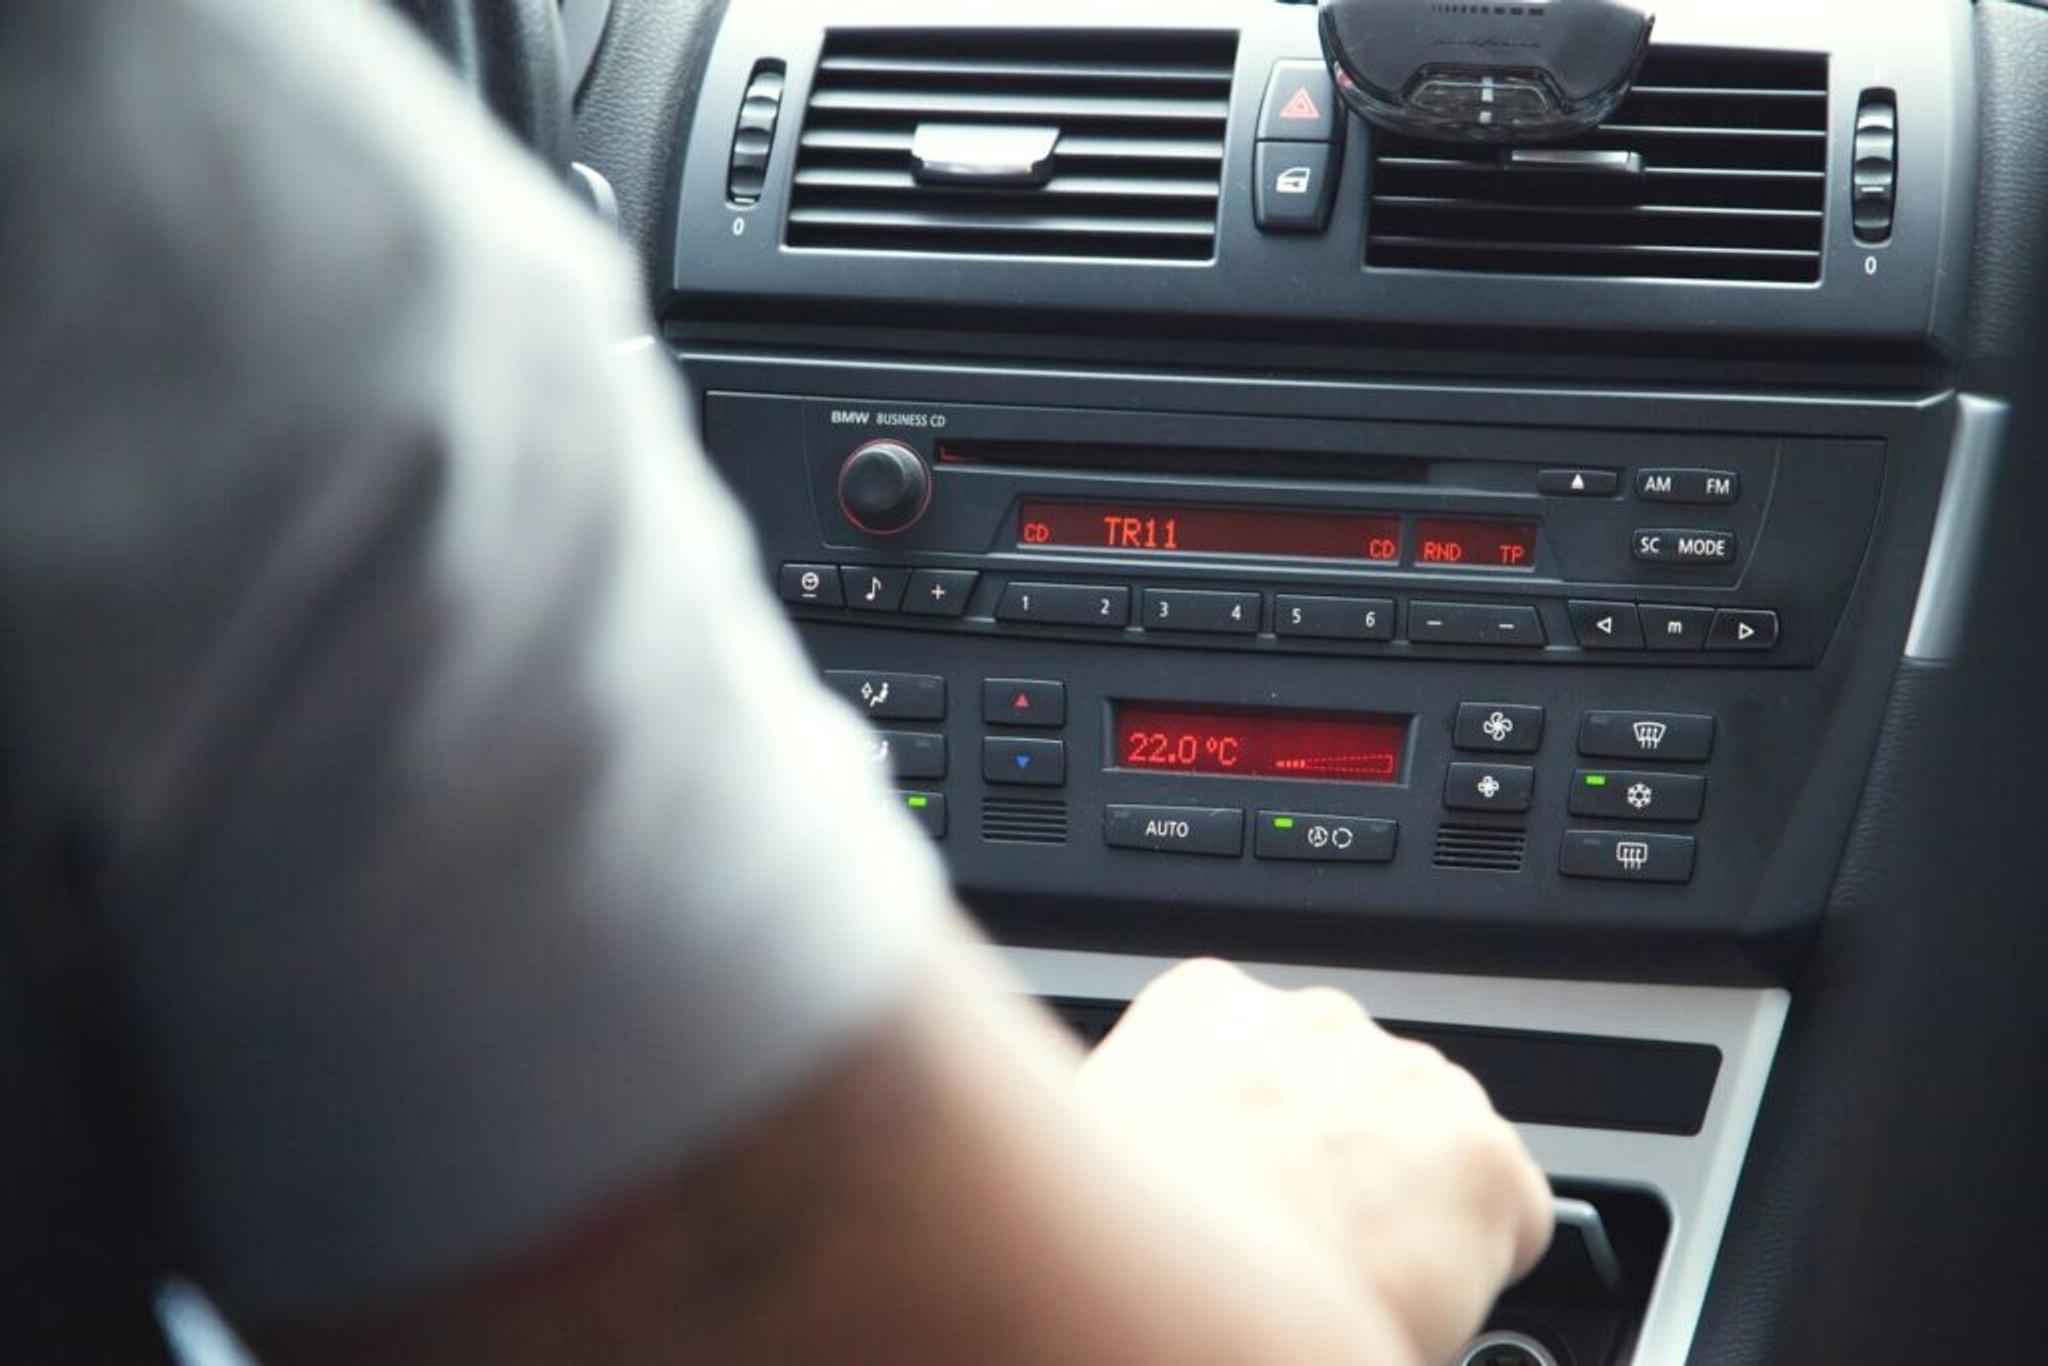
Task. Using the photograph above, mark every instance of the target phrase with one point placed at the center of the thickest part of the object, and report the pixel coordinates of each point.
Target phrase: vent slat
(1136, 171)
(1060, 187)
(1420, 201)
(1000, 222)
(1007, 820)
(895, 142)
(1733, 186)
(1104, 108)
(949, 69)
(1708, 92)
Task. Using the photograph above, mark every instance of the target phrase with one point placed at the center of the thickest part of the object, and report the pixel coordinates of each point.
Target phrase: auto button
(1217, 830)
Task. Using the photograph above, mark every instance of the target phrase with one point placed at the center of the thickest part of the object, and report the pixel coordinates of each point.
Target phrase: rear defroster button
(1626, 856)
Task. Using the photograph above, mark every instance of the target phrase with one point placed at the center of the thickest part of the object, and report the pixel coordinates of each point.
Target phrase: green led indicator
(919, 803)
(1283, 822)
(1596, 780)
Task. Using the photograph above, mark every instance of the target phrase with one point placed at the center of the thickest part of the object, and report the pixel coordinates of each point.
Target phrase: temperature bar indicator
(1227, 742)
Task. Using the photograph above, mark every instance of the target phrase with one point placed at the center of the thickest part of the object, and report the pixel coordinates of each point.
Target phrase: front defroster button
(1646, 735)
(1217, 830)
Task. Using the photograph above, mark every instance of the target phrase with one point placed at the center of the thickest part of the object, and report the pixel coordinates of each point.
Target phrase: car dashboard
(1539, 591)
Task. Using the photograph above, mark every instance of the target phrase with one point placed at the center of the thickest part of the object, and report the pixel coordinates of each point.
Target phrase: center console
(1475, 581)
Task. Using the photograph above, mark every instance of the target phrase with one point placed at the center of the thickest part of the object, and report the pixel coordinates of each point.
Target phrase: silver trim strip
(1948, 582)
(1696, 1176)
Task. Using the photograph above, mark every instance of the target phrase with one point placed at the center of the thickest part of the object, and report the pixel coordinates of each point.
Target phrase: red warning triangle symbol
(1302, 106)
(1023, 702)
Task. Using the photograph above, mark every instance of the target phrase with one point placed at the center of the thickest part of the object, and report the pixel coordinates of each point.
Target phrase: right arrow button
(1743, 628)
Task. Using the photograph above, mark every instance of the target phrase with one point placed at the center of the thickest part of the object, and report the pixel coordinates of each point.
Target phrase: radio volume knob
(884, 487)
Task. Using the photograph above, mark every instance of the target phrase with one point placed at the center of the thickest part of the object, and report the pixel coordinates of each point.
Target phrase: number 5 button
(1323, 618)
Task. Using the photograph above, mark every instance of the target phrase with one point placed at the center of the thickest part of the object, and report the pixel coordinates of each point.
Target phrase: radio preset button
(1187, 609)
(1646, 735)
(1688, 486)
(874, 590)
(909, 754)
(891, 697)
(939, 592)
(1217, 830)
(1489, 787)
(1578, 483)
(1024, 762)
(1322, 618)
(814, 584)
(1023, 702)
(1743, 628)
(1630, 795)
(1676, 628)
(1474, 623)
(1606, 625)
(1066, 604)
(1672, 545)
(1303, 837)
(1626, 856)
(1501, 727)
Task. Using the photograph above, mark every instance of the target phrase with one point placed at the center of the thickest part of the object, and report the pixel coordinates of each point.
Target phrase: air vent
(1716, 170)
(1481, 847)
(1007, 820)
(1135, 124)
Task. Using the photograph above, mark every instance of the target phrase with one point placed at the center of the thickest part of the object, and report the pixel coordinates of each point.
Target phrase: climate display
(1474, 543)
(1328, 747)
(1372, 538)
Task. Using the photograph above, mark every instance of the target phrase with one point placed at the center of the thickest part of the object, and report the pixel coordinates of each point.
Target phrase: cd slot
(1194, 461)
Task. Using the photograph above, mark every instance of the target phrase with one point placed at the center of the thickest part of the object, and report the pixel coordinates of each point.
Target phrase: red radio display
(1260, 744)
(1372, 538)
(1474, 543)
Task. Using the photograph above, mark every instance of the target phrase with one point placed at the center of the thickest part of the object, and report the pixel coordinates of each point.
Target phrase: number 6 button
(1323, 618)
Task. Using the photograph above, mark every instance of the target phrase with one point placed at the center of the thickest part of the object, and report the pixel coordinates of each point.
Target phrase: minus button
(1474, 623)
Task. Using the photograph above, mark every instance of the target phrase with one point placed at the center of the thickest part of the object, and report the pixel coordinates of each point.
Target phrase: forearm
(940, 1196)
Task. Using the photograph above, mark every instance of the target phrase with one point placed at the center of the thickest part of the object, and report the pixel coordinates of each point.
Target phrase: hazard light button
(1301, 104)
(1023, 702)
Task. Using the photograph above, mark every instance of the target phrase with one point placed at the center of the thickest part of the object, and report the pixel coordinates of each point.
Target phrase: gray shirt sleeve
(470, 838)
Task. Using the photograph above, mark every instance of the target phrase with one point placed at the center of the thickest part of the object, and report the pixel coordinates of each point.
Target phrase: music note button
(869, 589)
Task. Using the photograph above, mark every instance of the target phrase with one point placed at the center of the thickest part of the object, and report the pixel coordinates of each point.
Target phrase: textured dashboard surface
(630, 118)
(1892, 1206)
